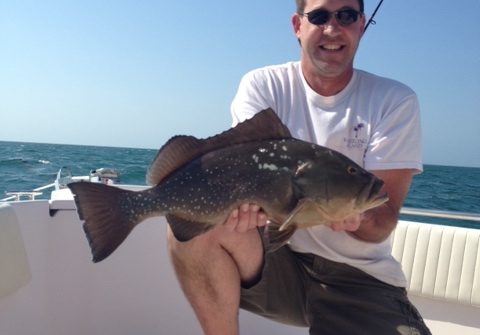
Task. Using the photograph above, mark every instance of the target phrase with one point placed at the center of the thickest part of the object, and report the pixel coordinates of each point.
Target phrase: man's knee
(218, 244)
(199, 246)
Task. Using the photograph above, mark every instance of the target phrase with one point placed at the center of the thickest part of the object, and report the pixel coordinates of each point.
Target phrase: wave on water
(21, 161)
(12, 161)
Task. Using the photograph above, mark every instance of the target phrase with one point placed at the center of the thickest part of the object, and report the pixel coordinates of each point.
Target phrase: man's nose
(331, 27)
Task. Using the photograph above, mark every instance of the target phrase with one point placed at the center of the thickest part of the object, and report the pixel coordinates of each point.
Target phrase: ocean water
(25, 166)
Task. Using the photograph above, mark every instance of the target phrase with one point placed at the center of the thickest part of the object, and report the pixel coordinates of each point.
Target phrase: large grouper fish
(199, 182)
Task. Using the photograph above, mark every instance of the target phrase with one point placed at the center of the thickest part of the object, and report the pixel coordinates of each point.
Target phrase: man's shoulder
(379, 83)
(285, 71)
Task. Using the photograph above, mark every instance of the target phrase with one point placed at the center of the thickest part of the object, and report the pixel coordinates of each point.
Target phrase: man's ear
(296, 23)
(363, 21)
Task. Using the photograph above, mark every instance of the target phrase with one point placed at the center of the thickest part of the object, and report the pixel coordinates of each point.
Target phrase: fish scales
(197, 184)
(219, 181)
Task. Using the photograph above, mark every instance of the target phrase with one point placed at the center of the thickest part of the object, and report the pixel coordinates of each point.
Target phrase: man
(340, 279)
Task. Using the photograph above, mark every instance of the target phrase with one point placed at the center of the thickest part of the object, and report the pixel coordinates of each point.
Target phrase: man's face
(328, 50)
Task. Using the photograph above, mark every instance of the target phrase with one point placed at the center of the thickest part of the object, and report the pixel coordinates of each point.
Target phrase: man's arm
(377, 224)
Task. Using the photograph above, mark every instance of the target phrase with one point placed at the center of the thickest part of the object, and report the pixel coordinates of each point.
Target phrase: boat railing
(64, 176)
(31, 195)
(440, 214)
(17, 196)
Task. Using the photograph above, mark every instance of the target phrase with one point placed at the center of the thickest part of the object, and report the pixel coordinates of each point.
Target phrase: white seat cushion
(440, 262)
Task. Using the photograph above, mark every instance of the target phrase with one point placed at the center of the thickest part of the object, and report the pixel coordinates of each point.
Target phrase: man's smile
(332, 47)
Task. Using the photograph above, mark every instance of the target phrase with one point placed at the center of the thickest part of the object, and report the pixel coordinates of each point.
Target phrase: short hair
(301, 6)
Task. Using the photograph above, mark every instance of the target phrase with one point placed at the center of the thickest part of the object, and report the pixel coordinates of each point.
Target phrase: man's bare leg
(211, 267)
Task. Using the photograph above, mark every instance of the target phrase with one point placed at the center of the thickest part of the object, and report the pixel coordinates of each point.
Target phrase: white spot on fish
(262, 150)
(255, 158)
(284, 148)
(265, 166)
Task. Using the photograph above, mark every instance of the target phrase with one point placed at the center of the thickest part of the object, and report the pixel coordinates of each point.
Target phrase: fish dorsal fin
(175, 153)
(179, 150)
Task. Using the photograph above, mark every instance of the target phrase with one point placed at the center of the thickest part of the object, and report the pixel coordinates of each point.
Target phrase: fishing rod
(372, 21)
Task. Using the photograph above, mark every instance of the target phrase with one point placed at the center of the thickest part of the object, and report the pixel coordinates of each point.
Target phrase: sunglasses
(344, 17)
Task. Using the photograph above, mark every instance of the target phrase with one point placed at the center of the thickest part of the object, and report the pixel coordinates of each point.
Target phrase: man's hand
(351, 223)
(245, 218)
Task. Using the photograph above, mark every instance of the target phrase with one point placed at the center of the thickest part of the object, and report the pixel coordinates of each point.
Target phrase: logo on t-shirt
(357, 139)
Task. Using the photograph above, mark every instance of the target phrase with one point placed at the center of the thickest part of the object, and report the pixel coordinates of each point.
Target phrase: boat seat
(440, 262)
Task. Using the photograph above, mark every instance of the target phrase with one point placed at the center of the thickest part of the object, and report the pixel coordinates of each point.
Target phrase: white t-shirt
(374, 121)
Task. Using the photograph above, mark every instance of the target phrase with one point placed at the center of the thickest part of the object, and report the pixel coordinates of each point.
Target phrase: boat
(50, 286)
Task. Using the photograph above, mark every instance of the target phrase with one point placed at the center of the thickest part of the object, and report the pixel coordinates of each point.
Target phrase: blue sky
(134, 73)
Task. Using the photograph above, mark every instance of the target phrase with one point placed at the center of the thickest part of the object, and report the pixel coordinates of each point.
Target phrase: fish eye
(352, 170)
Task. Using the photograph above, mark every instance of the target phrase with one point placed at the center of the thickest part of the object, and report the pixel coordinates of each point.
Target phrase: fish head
(337, 186)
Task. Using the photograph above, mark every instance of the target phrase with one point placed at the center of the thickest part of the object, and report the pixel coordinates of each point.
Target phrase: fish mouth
(370, 197)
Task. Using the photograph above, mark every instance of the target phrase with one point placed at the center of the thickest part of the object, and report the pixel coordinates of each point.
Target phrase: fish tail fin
(107, 222)
(274, 238)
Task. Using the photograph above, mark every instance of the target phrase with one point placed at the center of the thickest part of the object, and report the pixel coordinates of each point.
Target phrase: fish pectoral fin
(302, 205)
(305, 214)
(184, 230)
(273, 238)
